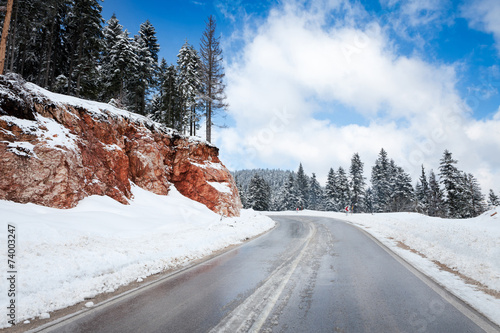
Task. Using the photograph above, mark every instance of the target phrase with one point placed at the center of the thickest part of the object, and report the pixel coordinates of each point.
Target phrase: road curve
(310, 274)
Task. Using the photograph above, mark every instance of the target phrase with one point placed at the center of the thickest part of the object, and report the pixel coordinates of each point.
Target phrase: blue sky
(316, 81)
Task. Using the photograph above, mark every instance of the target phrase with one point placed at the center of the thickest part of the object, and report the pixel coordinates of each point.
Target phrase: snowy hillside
(461, 254)
(66, 256)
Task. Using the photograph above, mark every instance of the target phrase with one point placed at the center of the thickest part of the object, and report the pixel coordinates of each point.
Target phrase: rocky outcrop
(55, 150)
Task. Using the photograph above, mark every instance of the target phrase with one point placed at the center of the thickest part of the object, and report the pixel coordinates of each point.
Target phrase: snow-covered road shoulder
(67, 256)
(461, 255)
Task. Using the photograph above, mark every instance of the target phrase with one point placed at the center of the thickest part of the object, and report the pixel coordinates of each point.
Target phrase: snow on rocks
(68, 255)
(72, 148)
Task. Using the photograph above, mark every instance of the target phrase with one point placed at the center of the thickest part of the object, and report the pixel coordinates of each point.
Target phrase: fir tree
(436, 202)
(357, 184)
(331, 192)
(343, 192)
(493, 199)
(450, 178)
(84, 39)
(212, 74)
(242, 193)
(380, 179)
(287, 199)
(369, 200)
(402, 193)
(302, 188)
(145, 75)
(188, 63)
(422, 193)
(118, 60)
(316, 197)
(259, 194)
(170, 112)
(472, 199)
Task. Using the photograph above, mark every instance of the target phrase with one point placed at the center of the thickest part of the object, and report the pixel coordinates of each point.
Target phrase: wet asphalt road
(307, 275)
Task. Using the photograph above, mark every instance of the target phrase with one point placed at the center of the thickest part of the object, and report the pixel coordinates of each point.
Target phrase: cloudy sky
(317, 81)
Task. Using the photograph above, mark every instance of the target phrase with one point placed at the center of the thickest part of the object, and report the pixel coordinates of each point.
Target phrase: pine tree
(493, 199)
(84, 30)
(402, 193)
(331, 192)
(212, 74)
(170, 111)
(472, 199)
(369, 208)
(145, 74)
(316, 196)
(287, 199)
(422, 193)
(436, 202)
(242, 193)
(188, 63)
(259, 194)
(380, 179)
(302, 188)
(450, 178)
(357, 184)
(119, 63)
(343, 192)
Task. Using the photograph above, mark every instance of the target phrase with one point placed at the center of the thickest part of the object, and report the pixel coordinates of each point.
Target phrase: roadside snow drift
(67, 255)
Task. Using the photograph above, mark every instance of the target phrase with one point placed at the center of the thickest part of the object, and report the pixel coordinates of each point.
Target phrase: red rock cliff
(55, 150)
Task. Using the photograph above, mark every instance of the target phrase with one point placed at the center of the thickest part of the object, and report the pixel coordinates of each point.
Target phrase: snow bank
(65, 256)
(470, 247)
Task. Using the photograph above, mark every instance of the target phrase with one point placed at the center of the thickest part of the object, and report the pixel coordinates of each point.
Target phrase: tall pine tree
(212, 74)
(380, 179)
(357, 184)
(422, 193)
(450, 178)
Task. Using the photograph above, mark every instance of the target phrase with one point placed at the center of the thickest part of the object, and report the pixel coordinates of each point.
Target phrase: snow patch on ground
(468, 246)
(67, 256)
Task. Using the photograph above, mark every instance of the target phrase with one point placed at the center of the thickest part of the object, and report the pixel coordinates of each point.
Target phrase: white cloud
(294, 62)
(484, 15)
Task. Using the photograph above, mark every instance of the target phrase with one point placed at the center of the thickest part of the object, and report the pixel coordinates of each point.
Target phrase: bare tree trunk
(12, 42)
(5, 34)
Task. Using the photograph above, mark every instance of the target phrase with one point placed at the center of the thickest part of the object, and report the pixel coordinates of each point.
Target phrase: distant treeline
(451, 193)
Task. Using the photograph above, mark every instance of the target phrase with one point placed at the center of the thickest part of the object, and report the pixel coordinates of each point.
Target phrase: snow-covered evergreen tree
(380, 179)
(190, 85)
(450, 178)
(357, 184)
(287, 199)
(302, 188)
(84, 42)
(493, 199)
(436, 195)
(471, 197)
(402, 193)
(331, 198)
(118, 60)
(144, 77)
(422, 193)
(259, 194)
(369, 208)
(243, 194)
(316, 196)
(343, 191)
